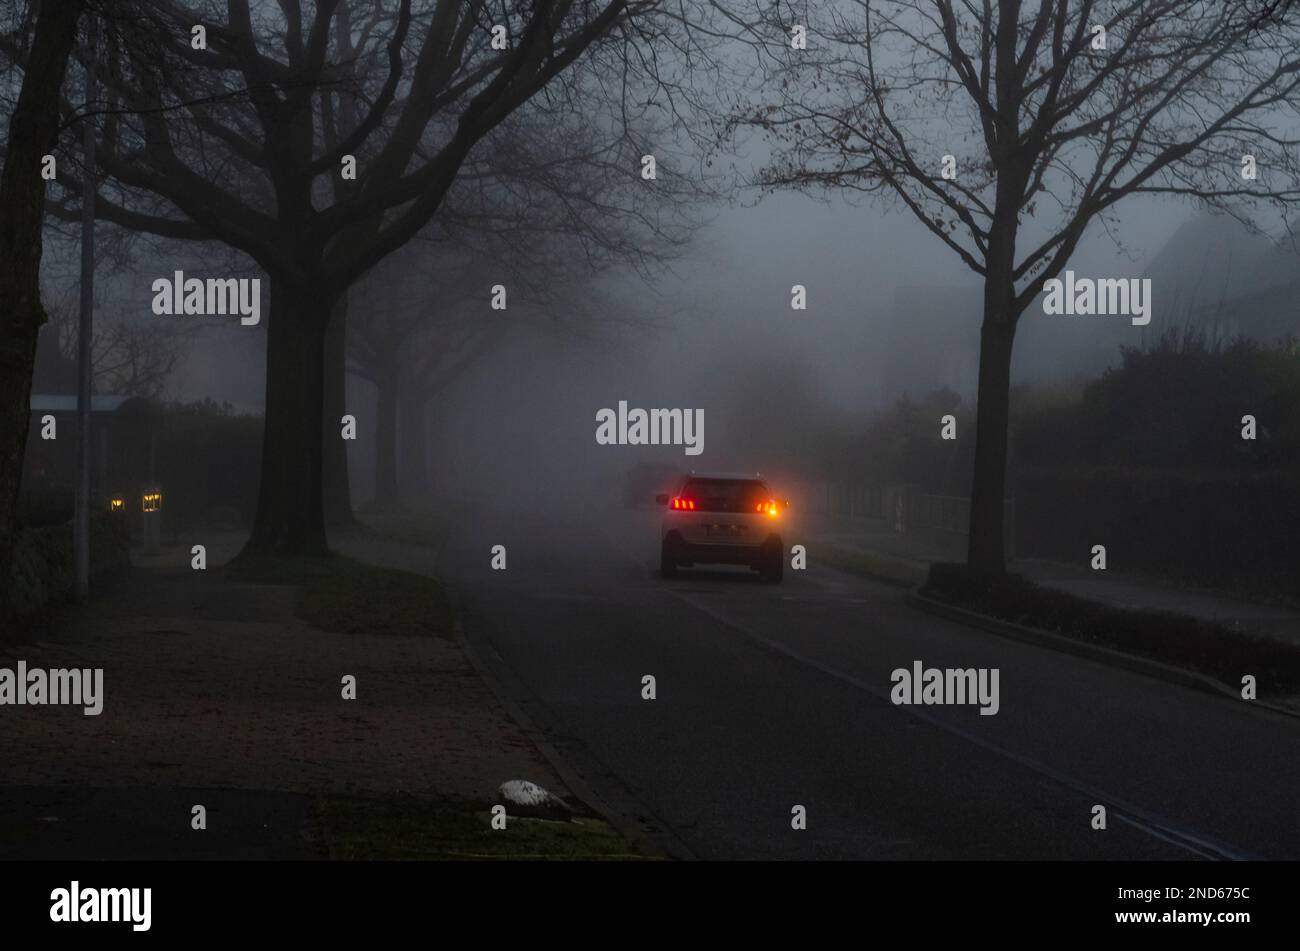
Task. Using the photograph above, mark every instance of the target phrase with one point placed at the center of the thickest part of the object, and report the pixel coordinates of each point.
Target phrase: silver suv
(722, 518)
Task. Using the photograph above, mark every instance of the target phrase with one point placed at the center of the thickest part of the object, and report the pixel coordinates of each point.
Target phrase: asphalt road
(770, 697)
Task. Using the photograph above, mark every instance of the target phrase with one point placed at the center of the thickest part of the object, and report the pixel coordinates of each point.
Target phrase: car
(722, 518)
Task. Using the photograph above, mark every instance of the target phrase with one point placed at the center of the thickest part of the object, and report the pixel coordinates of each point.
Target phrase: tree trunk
(336, 482)
(32, 130)
(290, 506)
(413, 457)
(986, 552)
(386, 436)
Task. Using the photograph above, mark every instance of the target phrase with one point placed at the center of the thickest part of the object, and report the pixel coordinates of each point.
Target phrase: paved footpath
(214, 689)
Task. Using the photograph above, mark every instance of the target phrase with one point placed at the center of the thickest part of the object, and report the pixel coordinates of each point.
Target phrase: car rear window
(725, 495)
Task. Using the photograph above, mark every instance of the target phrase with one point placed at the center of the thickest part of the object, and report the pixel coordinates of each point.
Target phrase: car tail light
(682, 504)
(771, 507)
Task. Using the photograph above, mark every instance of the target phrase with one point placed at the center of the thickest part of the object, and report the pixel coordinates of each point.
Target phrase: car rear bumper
(688, 553)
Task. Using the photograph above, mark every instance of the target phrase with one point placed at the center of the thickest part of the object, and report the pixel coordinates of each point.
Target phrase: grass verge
(1191, 643)
(428, 828)
(348, 596)
(893, 570)
(410, 527)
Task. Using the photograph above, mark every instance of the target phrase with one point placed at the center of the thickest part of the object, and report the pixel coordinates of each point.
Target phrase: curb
(655, 842)
(1102, 655)
(652, 837)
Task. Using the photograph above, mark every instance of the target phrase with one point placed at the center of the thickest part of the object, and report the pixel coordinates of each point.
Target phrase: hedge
(1188, 642)
(1233, 530)
(42, 574)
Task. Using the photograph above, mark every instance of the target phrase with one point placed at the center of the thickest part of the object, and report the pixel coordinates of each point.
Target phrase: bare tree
(422, 319)
(1050, 113)
(129, 357)
(232, 138)
(408, 317)
(544, 210)
(33, 127)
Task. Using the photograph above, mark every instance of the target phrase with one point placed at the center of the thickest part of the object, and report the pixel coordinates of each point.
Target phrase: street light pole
(81, 522)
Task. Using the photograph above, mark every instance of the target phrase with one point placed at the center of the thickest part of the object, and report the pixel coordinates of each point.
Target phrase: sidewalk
(212, 684)
(877, 536)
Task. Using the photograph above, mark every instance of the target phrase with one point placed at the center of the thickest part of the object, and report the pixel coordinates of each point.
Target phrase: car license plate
(723, 529)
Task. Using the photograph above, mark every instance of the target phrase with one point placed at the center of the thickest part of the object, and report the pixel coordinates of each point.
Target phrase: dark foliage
(1177, 403)
(904, 446)
(1151, 462)
(207, 465)
(42, 571)
(1229, 530)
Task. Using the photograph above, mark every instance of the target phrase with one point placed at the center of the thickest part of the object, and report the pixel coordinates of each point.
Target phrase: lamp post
(81, 522)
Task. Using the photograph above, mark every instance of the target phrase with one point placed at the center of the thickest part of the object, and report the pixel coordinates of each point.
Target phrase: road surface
(772, 697)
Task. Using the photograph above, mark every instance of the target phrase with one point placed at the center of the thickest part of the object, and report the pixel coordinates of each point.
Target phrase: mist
(635, 430)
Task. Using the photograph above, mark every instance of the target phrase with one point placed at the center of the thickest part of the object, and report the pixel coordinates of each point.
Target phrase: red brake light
(682, 504)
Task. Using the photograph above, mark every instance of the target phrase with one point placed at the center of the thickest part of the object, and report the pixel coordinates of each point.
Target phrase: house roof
(67, 402)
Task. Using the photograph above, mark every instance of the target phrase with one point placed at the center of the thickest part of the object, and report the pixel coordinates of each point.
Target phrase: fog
(889, 312)
(437, 346)
(525, 420)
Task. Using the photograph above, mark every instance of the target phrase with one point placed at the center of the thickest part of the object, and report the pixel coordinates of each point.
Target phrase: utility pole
(81, 522)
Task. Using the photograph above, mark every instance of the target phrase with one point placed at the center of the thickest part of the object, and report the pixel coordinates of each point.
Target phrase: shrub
(903, 446)
(208, 464)
(1233, 530)
(1177, 403)
(43, 569)
(1149, 460)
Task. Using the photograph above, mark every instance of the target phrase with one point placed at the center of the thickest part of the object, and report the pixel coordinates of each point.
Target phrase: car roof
(752, 476)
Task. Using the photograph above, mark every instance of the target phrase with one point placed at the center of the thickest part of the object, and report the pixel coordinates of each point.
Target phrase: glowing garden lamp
(151, 505)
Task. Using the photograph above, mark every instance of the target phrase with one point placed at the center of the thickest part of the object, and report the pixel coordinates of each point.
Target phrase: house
(123, 452)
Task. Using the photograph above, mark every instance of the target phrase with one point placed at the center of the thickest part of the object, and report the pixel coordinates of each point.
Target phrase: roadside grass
(1205, 647)
(893, 570)
(282, 569)
(343, 595)
(409, 827)
(420, 527)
